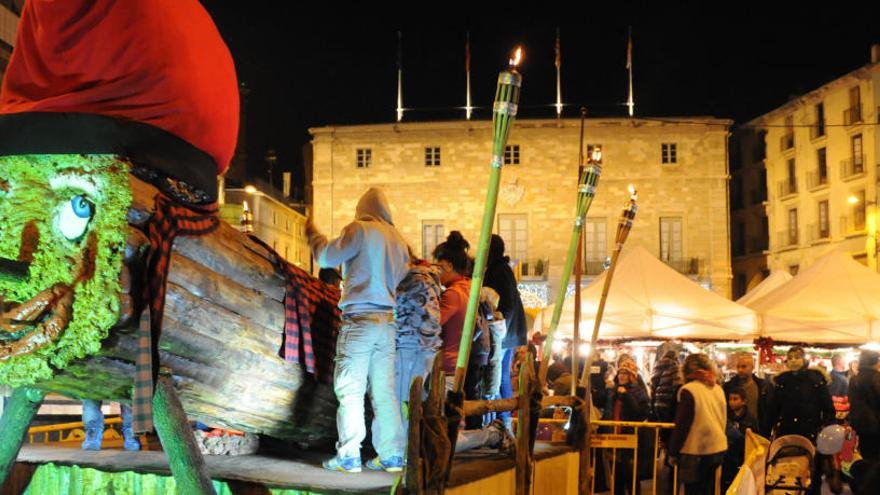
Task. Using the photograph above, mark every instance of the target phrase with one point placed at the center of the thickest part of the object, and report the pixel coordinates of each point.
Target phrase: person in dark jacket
(500, 277)
(665, 381)
(739, 419)
(839, 387)
(800, 403)
(627, 401)
(756, 389)
(864, 403)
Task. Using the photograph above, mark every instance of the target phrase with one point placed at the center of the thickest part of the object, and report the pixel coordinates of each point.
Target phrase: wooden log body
(222, 335)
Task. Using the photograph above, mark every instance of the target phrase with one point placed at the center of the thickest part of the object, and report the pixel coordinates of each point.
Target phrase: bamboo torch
(624, 225)
(586, 192)
(503, 115)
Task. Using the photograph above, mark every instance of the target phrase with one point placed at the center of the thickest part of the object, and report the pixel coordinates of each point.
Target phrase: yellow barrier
(74, 431)
(756, 450)
(630, 441)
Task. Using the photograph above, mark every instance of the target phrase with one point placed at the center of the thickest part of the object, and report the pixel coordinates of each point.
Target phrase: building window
(791, 180)
(859, 211)
(853, 114)
(513, 228)
(671, 239)
(857, 156)
(433, 233)
(432, 156)
(364, 157)
(793, 269)
(824, 224)
(819, 127)
(274, 218)
(822, 166)
(669, 152)
(792, 227)
(511, 154)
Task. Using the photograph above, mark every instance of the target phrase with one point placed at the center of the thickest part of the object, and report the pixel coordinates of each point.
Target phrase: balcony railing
(759, 244)
(817, 130)
(787, 239)
(852, 115)
(853, 224)
(534, 269)
(817, 178)
(786, 141)
(817, 232)
(853, 167)
(688, 266)
(788, 187)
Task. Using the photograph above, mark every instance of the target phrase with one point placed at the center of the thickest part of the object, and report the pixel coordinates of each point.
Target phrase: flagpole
(630, 103)
(558, 76)
(399, 76)
(469, 109)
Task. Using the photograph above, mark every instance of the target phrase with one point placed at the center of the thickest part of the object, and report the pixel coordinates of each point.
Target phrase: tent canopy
(648, 299)
(835, 300)
(776, 279)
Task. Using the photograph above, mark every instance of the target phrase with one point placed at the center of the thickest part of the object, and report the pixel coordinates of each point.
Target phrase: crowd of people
(398, 313)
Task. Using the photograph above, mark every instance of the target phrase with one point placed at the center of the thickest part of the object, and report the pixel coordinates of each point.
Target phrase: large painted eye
(75, 217)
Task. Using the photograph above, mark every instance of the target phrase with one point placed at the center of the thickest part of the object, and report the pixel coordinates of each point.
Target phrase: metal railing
(852, 167)
(788, 187)
(787, 239)
(533, 269)
(786, 141)
(817, 178)
(818, 232)
(69, 432)
(687, 266)
(817, 130)
(852, 115)
(617, 439)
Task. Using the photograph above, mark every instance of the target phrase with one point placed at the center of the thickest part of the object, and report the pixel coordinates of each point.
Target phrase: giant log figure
(115, 120)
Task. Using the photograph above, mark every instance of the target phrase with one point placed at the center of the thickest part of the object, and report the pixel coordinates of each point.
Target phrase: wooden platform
(305, 473)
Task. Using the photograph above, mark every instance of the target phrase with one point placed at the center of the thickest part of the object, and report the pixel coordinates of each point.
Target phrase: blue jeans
(365, 351)
(506, 387)
(93, 418)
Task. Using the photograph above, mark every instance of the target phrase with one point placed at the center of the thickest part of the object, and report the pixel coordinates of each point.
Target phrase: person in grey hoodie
(374, 260)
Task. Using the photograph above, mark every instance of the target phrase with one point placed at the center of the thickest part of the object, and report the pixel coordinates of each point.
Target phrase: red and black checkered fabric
(169, 220)
(311, 319)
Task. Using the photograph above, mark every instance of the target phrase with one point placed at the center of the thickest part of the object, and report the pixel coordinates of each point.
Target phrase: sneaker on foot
(343, 464)
(93, 439)
(130, 441)
(507, 442)
(393, 464)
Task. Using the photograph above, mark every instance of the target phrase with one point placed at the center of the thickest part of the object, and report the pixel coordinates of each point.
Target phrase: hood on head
(373, 205)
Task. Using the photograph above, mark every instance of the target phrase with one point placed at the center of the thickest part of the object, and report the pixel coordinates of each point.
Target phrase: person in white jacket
(374, 260)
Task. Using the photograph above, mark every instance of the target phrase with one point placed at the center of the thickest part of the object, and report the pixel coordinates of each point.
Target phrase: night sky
(315, 70)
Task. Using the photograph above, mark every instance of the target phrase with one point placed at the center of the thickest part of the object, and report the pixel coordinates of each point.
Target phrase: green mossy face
(37, 191)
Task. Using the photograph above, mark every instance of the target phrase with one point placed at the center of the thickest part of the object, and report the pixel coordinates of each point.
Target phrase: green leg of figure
(185, 459)
(14, 426)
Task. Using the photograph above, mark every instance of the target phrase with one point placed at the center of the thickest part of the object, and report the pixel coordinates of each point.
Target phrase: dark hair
(868, 359)
(454, 250)
(330, 276)
(737, 391)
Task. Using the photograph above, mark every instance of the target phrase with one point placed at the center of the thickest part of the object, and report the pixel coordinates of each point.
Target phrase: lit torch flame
(244, 206)
(596, 155)
(632, 191)
(517, 57)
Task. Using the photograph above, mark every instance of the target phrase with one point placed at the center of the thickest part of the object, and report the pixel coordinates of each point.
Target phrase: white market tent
(776, 279)
(648, 299)
(835, 300)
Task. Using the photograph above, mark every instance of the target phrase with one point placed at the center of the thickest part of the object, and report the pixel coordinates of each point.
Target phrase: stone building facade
(822, 159)
(435, 176)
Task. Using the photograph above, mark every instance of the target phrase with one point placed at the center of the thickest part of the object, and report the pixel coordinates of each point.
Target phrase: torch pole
(578, 271)
(586, 191)
(503, 116)
(624, 225)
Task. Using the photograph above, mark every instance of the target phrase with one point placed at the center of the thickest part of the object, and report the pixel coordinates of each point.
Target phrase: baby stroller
(789, 466)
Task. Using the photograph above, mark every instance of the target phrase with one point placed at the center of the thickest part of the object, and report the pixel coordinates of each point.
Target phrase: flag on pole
(630, 103)
(558, 63)
(399, 76)
(468, 108)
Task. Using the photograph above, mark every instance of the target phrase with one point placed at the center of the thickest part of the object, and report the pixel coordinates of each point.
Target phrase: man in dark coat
(500, 277)
(864, 402)
(800, 403)
(756, 391)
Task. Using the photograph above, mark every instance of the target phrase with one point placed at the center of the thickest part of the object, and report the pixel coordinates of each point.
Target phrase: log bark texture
(222, 337)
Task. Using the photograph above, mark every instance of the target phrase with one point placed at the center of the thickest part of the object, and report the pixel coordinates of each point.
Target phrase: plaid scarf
(306, 297)
(169, 220)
